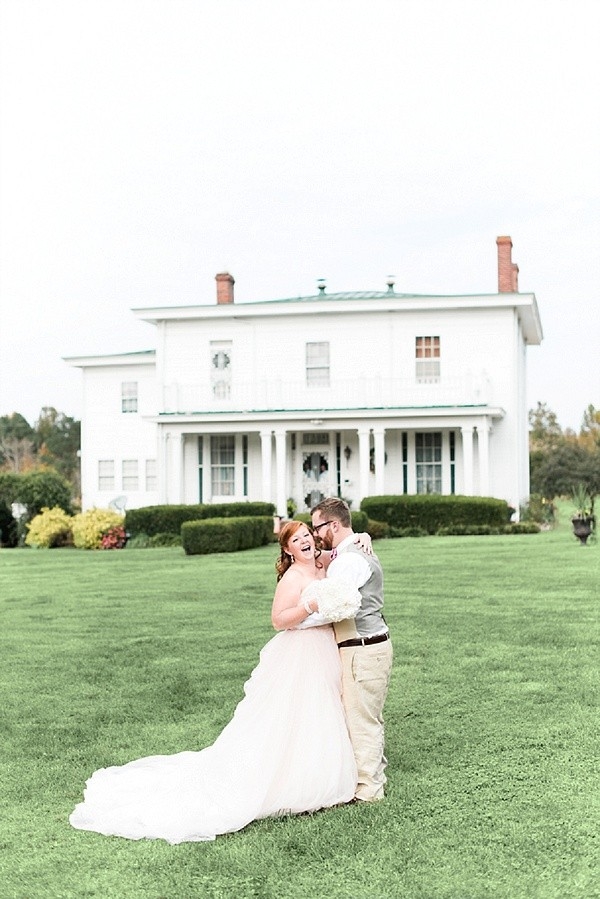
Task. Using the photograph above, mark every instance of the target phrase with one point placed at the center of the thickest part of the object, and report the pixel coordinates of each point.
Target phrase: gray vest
(369, 620)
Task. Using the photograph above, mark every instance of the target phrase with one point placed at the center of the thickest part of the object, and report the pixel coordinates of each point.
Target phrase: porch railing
(374, 393)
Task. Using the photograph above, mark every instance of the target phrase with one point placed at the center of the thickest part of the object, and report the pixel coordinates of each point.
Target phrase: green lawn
(492, 722)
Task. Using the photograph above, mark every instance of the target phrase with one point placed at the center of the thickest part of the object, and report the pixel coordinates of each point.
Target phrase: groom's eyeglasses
(317, 527)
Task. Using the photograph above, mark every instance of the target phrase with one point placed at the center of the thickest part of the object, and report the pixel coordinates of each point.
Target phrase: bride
(286, 749)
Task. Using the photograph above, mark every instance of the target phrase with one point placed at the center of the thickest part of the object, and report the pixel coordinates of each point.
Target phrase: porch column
(363, 462)
(467, 447)
(177, 455)
(266, 450)
(163, 466)
(281, 503)
(483, 440)
(379, 437)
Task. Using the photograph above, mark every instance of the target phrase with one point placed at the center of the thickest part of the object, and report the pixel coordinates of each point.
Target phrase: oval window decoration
(220, 360)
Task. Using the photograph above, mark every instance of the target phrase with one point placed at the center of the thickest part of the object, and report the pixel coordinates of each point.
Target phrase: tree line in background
(560, 460)
(40, 465)
(53, 442)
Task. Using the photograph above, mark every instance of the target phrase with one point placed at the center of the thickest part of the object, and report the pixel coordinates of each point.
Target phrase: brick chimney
(225, 283)
(508, 271)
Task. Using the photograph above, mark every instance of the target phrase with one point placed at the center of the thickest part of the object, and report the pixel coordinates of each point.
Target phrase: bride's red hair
(285, 535)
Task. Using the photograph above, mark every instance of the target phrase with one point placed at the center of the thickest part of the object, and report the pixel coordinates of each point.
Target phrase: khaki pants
(365, 680)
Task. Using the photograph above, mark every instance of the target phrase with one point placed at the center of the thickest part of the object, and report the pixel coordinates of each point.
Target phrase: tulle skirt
(285, 751)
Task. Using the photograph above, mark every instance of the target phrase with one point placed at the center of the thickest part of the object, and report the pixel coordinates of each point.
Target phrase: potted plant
(583, 518)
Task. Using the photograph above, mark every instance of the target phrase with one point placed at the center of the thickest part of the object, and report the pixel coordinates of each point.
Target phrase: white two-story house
(352, 394)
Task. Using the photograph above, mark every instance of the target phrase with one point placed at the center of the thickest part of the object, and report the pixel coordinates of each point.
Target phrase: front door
(317, 479)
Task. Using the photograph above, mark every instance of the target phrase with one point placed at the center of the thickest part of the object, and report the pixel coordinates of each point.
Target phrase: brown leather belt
(364, 641)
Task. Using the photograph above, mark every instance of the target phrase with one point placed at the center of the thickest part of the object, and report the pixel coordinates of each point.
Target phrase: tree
(563, 467)
(17, 442)
(590, 428)
(544, 429)
(558, 460)
(57, 442)
(545, 434)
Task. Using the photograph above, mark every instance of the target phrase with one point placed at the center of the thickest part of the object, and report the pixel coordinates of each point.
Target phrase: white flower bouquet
(336, 599)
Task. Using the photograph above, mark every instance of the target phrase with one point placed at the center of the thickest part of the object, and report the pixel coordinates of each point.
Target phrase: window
(222, 464)
(106, 474)
(220, 368)
(428, 448)
(200, 469)
(404, 462)
(427, 352)
(320, 438)
(151, 475)
(129, 396)
(245, 463)
(452, 462)
(129, 474)
(317, 364)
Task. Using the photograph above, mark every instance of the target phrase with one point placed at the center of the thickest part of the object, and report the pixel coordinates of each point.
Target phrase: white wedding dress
(286, 750)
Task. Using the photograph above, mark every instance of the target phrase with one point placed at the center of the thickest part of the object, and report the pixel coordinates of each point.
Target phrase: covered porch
(221, 458)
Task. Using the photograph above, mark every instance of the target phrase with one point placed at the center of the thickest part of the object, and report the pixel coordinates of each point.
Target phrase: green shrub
(479, 530)
(43, 489)
(140, 541)
(51, 527)
(9, 530)
(378, 529)
(153, 520)
(36, 490)
(408, 532)
(304, 517)
(468, 530)
(89, 527)
(432, 511)
(360, 521)
(223, 535)
(522, 527)
(8, 487)
(164, 540)
(538, 509)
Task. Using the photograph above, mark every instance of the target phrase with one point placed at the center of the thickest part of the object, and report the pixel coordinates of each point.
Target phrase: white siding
(373, 385)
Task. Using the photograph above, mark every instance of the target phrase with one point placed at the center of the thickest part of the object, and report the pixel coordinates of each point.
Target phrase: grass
(491, 722)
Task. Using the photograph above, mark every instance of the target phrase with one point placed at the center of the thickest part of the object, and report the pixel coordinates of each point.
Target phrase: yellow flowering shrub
(89, 527)
(51, 527)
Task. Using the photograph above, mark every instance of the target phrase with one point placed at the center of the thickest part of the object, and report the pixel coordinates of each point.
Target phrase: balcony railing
(360, 393)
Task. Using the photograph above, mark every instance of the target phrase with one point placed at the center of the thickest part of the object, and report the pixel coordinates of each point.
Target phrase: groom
(364, 644)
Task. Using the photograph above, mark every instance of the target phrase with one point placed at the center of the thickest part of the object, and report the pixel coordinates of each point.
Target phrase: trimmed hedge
(481, 530)
(432, 511)
(152, 520)
(226, 535)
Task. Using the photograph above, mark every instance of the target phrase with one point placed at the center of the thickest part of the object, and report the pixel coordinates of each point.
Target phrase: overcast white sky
(148, 144)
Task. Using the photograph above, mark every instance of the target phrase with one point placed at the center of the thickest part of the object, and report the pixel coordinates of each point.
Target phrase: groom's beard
(326, 541)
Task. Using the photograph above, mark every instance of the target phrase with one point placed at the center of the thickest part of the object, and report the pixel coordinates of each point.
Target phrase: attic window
(317, 364)
(427, 353)
(220, 368)
(129, 396)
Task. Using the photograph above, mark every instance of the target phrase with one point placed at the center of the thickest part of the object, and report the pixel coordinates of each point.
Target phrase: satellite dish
(118, 504)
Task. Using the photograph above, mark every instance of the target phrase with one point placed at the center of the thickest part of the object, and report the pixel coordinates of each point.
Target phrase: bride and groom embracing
(308, 733)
